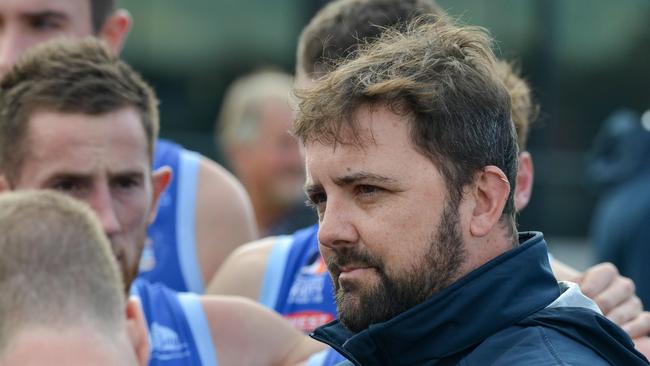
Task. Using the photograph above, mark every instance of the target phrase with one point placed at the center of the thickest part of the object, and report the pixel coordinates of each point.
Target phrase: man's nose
(103, 205)
(12, 45)
(337, 227)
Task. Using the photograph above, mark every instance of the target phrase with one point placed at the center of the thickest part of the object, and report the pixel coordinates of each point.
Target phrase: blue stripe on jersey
(169, 257)
(199, 325)
(318, 359)
(327, 357)
(185, 221)
(273, 277)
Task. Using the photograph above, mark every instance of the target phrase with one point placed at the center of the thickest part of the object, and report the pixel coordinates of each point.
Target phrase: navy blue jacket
(510, 311)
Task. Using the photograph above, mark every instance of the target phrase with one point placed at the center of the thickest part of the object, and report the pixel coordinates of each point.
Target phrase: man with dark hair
(411, 163)
(286, 273)
(76, 119)
(337, 29)
(205, 213)
(62, 294)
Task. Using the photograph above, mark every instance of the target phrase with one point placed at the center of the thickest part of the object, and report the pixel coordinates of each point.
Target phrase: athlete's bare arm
(243, 272)
(224, 217)
(245, 333)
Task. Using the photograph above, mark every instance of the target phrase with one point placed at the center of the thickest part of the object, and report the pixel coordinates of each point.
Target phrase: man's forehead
(66, 7)
(77, 142)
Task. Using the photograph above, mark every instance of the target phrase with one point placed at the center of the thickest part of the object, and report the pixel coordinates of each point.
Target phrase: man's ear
(115, 30)
(137, 329)
(160, 181)
(491, 189)
(524, 187)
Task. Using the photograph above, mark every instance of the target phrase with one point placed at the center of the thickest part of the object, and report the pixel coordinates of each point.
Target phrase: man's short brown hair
(442, 78)
(68, 77)
(524, 110)
(341, 26)
(56, 268)
(337, 31)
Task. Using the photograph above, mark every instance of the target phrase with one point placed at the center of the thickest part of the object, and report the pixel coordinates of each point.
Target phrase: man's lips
(352, 272)
(350, 268)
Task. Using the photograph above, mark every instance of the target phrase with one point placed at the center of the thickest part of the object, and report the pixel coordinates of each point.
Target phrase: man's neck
(483, 249)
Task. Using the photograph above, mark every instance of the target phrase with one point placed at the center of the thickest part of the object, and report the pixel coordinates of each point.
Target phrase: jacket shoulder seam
(549, 346)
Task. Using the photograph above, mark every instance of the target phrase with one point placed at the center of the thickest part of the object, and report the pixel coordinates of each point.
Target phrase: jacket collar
(494, 296)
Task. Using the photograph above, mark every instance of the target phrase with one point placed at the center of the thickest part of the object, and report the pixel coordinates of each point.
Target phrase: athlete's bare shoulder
(242, 273)
(224, 216)
(246, 333)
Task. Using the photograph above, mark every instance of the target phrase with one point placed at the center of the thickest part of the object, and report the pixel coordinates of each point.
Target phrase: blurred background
(584, 59)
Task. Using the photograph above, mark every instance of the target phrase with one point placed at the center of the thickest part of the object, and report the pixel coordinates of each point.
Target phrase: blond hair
(56, 267)
(239, 118)
(523, 108)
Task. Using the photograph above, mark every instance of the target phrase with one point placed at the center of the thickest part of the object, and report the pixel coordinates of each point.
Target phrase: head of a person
(340, 27)
(76, 119)
(253, 129)
(337, 31)
(62, 300)
(523, 111)
(411, 161)
(26, 23)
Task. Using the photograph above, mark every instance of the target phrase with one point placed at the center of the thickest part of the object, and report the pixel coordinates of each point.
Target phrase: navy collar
(496, 295)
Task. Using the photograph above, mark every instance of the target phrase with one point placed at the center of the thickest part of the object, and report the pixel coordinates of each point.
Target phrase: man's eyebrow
(54, 14)
(312, 188)
(363, 177)
(77, 176)
(127, 173)
(346, 180)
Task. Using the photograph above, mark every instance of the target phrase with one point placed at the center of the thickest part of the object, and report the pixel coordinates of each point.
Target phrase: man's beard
(394, 294)
(129, 267)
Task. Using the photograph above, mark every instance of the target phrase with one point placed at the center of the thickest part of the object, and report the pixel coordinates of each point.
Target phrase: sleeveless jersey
(327, 357)
(178, 329)
(169, 256)
(296, 282)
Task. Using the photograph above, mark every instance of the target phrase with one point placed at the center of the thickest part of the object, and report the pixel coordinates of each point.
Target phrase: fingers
(643, 345)
(626, 312)
(619, 291)
(639, 326)
(603, 284)
(597, 278)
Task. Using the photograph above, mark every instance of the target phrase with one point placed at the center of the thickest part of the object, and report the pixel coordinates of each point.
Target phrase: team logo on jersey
(307, 321)
(166, 344)
(306, 290)
(148, 257)
(316, 268)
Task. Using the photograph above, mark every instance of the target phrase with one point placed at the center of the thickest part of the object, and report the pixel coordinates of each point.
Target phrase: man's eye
(44, 23)
(66, 186)
(126, 183)
(367, 190)
(316, 200)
